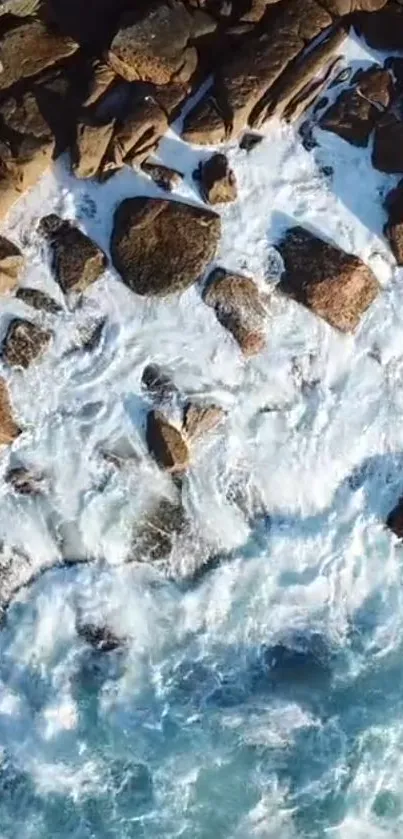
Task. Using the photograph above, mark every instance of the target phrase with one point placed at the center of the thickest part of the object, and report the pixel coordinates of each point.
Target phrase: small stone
(166, 444)
(23, 481)
(218, 184)
(24, 343)
(201, 419)
(38, 300)
(77, 260)
(249, 141)
(163, 176)
(238, 307)
(12, 264)
(9, 430)
(158, 383)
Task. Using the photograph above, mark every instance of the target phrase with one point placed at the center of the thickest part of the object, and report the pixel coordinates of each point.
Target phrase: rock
(199, 420)
(136, 134)
(387, 154)
(356, 111)
(161, 525)
(217, 180)
(158, 383)
(28, 49)
(38, 300)
(100, 637)
(24, 343)
(154, 47)
(160, 247)
(238, 307)
(337, 286)
(395, 520)
(250, 140)
(166, 444)
(394, 227)
(102, 79)
(90, 336)
(77, 260)
(12, 264)
(170, 97)
(9, 430)
(23, 481)
(90, 146)
(383, 30)
(346, 7)
(163, 176)
(204, 124)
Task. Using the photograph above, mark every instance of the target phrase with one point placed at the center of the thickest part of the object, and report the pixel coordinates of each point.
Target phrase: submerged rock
(100, 637)
(24, 481)
(9, 430)
(24, 343)
(335, 285)
(238, 307)
(77, 260)
(158, 383)
(160, 527)
(160, 247)
(166, 444)
(39, 300)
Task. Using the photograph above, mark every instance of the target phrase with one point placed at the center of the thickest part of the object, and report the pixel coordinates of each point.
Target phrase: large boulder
(12, 265)
(30, 48)
(356, 111)
(24, 343)
(166, 444)
(337, 286)
(77, 260)
(160, 247)
(9, 430)
(155, 46)
(238, 307)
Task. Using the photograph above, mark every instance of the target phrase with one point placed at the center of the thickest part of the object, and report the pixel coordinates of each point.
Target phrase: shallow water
(266, 698)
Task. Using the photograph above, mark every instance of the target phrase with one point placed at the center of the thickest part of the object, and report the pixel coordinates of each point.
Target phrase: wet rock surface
(166, 443)
(24, 343)
(77, 260)
(238, 307)
(335, 285)
(217, 180)
(199, 420)
(161, 247)
(357, 110)
(162, 524)
(39, 300)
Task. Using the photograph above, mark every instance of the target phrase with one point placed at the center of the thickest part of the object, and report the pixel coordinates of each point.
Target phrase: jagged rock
(166, 444)
(198, 420)
(387, 155)
(204, 124)
(158, 383)
(100, 637)
(337, 286)
(136, 134)
(383, 29)
(163, 176)
(9, 430)
(217, 180)
(24, 343)
(160, 247)
(12, 265)
(356, 111)
(154, 47)
(77, 260)
(250, 140)
(90, 146)
(394, 227)
(161, 525)
(23, 481)
(28, 49)
(238, 307)
(39, 300)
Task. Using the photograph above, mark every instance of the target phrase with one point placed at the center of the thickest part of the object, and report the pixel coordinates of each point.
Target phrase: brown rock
(337, 286)
(160, 247)
(28, 49)
(394, 227)
(24, 343)
(136, 135)
(170, 97)
(346, 7)
(77, 260)
(204, 124)
(199, 420)
(217, 180)
(387, 155)
(12, 265)
(102, 78)
(154, 48)
(166, 444)
(238, 307)
(395, 520)
(9, 430)
(90, 146)
(39, 300)
(356, 111)
(163, 176)
(24, 481)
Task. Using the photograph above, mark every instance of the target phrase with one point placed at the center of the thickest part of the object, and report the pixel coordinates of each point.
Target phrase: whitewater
(264, 698)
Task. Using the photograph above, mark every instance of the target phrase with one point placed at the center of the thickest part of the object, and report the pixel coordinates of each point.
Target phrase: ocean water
(263, 698)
